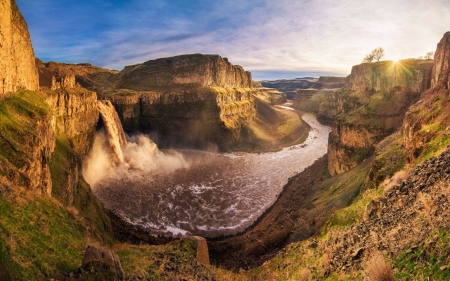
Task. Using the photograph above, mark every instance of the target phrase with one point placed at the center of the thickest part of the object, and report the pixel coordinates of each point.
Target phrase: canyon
(380, 191)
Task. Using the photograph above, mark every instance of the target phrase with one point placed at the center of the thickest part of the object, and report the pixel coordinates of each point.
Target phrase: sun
(396, 60)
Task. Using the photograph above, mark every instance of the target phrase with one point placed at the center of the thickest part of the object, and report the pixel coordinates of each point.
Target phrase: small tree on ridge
(378, 53)
(368, 58)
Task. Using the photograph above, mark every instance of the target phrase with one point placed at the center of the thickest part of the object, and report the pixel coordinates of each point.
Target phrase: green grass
(163, 262)
(39, 238)
(426, 261)
(19, 115)
(63, 166)
(388, 160)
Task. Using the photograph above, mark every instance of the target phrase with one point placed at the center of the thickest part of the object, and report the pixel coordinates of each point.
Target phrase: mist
(140, 153)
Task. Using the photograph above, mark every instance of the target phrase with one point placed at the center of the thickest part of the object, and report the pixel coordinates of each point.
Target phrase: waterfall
(116, 135)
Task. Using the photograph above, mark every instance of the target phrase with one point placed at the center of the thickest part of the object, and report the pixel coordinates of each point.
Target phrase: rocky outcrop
(405, 218)
(195, 69)
(199, 101)
(105, 257)
(441, 68)
(269, 95)
(371, 106)
(426, 127)
(75, 114)
(321, 98)
(17, 66)
(411, 74)
(202, 254)
(27, 141)
(311, 99)
(199, 118)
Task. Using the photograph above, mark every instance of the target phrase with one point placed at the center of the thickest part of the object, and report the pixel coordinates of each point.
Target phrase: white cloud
(308, 35)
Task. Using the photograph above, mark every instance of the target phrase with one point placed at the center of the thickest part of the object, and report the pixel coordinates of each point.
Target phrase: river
(217, 194)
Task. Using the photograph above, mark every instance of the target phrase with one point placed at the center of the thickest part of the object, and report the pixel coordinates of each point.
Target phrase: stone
(17, 65)
(441, 67)
(194, 69)
(106, 257)
(202, 254)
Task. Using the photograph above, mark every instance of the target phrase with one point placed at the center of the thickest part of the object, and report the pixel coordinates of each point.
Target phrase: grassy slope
(18, 116)
(38, 236)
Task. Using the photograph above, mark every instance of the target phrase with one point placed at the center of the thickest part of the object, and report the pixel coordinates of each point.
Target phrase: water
(215, 194)
(112, 124)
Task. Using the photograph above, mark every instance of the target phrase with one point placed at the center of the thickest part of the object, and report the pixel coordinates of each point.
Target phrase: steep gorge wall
(411, 74)
(17, 65)
(371, 106)
(196, 69)
(202, 117)
(426, 127)
(189, 100)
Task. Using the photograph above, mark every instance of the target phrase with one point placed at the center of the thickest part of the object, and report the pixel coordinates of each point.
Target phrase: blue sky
(270, 38)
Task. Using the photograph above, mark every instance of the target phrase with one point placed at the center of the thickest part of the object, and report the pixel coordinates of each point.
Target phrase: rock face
(371, 106)
(195, 69)
(74, 113)
(441, 68)
(290, 86)
(106, 257)
(411, 74)
(427, 120)
(269, 95)
(202, 254)
(198, 118)
(17, 65)
(199, 101)
(320, 97)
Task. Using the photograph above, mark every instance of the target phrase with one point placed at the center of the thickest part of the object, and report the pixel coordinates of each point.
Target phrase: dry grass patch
(377, 269)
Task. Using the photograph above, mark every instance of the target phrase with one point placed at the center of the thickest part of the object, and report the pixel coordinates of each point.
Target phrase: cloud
(320, 36)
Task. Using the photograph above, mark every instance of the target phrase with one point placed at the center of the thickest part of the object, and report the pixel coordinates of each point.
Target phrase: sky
(271, 38)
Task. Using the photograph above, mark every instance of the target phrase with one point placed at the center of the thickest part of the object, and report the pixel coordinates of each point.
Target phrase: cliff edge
(17, 66)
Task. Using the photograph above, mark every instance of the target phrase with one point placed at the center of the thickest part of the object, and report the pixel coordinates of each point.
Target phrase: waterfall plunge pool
(200, 193)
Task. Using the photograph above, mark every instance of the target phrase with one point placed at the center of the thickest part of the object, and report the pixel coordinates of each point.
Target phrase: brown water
(213, 194)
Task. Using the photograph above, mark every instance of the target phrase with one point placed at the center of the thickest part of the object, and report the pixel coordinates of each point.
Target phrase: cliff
(441, 68)
(410, 74)
(269, 95)
(320, 97)
(195, 69)
(289, 86)
(199, 101)
(200, 118)
(17, 66)
(371, 106)
(426, 127)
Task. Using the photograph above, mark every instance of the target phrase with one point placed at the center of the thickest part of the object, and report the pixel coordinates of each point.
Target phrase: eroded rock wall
(426, 127)
(17, 65)
(441, 67)
(411, 74)
(371, 106)
(195, 69)
(203, 117)
(74, 113)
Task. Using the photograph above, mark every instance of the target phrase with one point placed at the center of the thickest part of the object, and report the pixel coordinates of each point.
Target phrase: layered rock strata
(17, 66)
(320, 98)
(194, 100)
(195, 69)
(198, 118)
(371, 106)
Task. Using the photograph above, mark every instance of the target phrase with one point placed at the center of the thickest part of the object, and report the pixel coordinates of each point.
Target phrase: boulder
(106, 257)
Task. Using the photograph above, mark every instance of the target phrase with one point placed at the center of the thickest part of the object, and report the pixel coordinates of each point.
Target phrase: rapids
(213, 194)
